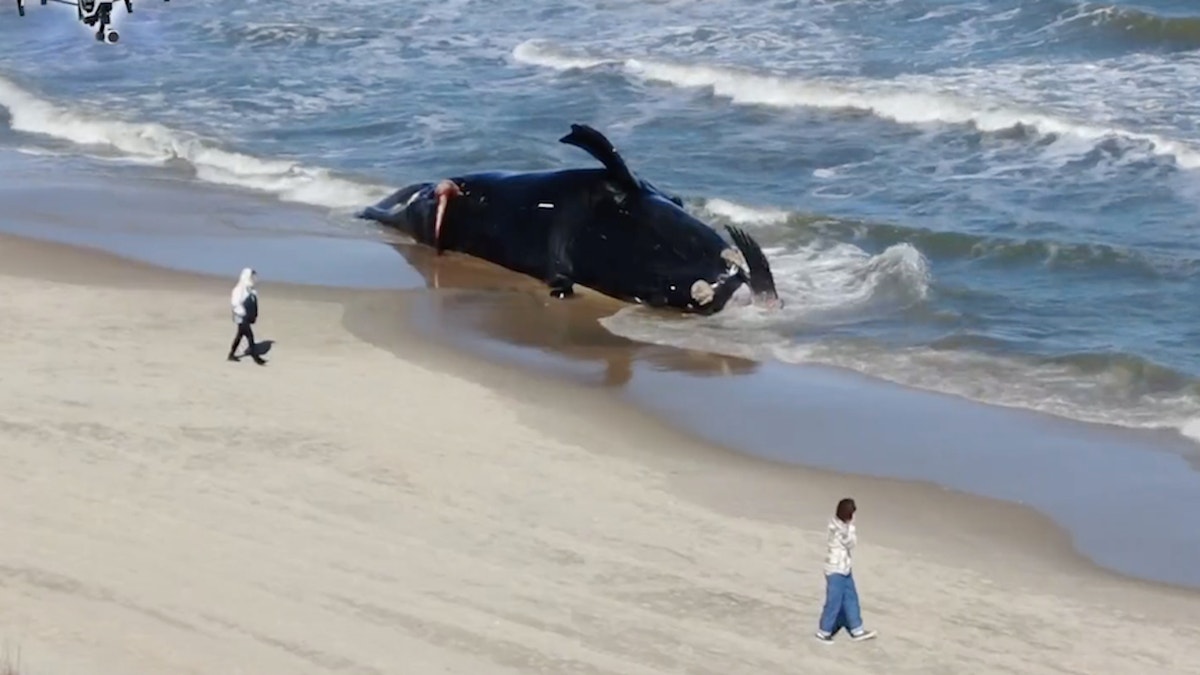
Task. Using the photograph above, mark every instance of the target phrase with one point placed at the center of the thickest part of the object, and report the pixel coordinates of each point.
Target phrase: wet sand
(376, 501)
(158, 215)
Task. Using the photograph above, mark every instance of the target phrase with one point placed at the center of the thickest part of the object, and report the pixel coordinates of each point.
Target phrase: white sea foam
(827, 275)
(1191, 428)
(150, 142)
(536, 53)
(745, 215)
(34, 151)
(916, 101)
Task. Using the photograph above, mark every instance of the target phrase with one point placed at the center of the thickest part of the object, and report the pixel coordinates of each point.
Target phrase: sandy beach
(370, 502)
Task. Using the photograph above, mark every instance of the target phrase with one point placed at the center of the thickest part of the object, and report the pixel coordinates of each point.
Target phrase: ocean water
(996, 199)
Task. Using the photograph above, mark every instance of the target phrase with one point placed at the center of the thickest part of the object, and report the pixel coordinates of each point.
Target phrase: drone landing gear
(21, 6)
(103, 17)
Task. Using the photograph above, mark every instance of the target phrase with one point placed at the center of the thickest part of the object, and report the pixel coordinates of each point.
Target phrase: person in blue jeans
(841, 596)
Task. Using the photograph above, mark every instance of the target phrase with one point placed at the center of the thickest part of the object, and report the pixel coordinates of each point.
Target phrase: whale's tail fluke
(761, 281)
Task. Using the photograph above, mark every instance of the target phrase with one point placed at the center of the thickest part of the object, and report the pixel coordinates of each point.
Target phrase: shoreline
(349, 519)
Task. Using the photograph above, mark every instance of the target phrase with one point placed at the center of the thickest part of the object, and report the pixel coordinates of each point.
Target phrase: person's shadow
(261, 348)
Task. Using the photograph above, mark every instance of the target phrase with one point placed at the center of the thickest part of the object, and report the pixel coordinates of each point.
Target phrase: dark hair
(845, 509)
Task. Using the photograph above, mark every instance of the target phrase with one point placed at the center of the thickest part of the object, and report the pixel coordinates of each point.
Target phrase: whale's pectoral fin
(595, 144)
(561, 287)
(559, 259)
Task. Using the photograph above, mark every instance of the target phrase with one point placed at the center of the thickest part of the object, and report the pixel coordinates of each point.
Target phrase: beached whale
(605, 229)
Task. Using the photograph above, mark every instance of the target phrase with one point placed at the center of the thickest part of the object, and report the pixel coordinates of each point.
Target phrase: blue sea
(993, 199)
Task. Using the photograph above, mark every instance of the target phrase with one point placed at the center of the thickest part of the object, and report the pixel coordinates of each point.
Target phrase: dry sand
(370, 503)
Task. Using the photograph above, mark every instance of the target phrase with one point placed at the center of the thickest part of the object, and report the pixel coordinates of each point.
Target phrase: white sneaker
(827, 639)
(863, 635)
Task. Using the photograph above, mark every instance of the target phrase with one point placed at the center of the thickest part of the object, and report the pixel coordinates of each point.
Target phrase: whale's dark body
(602, 228)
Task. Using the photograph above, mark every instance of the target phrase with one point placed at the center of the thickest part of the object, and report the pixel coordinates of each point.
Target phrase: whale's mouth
(445, 191)
(388, 209)
(750, 263)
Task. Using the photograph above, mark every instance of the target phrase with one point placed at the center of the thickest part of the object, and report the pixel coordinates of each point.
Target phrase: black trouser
(245, 330)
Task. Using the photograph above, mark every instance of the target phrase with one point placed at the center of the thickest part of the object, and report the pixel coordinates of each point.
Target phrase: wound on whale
(602, 228)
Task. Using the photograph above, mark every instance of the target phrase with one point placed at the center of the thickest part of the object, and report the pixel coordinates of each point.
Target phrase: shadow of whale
(488, 300)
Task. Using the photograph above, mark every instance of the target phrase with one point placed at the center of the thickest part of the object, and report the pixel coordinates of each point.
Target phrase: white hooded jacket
(243, 290)
(840, 539)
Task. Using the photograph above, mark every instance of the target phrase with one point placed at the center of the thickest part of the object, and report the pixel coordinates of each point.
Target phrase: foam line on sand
(364, 506)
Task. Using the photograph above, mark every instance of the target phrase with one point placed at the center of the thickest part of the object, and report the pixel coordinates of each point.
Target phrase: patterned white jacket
(839, 542)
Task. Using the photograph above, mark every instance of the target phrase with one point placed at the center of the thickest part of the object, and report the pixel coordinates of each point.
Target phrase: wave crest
(151, 142)
(897, 101)
(1140, 25)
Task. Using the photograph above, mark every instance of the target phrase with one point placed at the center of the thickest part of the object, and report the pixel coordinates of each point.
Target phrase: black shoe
(231, 357)
(863, 635)
(259, 360)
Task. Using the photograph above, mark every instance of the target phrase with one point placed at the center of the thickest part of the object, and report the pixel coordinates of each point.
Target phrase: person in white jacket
(841, 608)
(244, 303)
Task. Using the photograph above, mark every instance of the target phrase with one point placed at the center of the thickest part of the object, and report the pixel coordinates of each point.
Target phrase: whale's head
(411, 210)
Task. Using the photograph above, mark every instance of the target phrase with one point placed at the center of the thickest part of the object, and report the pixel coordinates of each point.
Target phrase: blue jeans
(841, 605)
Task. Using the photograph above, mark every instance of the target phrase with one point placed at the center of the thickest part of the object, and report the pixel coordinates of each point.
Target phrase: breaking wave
(155, 143)
(899, 101)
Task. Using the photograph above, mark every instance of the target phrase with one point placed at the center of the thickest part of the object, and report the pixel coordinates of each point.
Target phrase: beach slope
(355, 509)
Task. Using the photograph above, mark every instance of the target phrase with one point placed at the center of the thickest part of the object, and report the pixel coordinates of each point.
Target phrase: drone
(92, 13)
